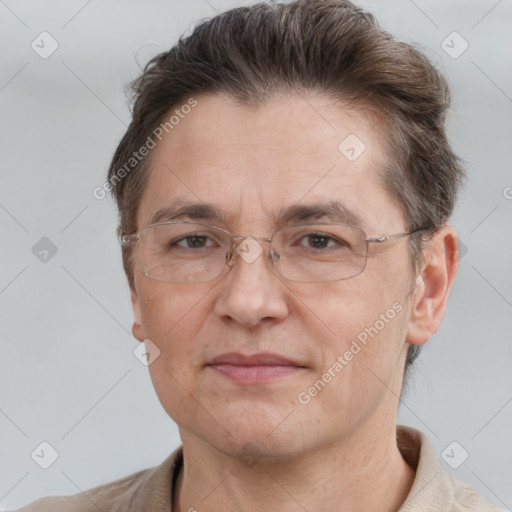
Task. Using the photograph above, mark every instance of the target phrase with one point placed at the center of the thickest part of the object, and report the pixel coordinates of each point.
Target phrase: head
(250, 114)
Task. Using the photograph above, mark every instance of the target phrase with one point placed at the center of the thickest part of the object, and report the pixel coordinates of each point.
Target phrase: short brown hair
(326, 47)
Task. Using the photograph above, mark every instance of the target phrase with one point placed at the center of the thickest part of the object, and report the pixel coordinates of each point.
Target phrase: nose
(252, 290)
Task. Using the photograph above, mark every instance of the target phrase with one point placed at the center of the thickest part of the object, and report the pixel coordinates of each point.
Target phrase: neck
(364, 471)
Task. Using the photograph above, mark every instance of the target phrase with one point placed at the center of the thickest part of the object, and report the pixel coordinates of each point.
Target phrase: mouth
(254, 369)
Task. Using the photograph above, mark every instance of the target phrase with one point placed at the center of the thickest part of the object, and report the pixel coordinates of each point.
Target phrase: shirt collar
(432, 490)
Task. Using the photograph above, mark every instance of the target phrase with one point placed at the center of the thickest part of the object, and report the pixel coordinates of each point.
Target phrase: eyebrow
(193, 211)
(333, 211)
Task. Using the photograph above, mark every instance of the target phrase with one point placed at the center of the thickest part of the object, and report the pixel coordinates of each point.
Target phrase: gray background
(68, 375)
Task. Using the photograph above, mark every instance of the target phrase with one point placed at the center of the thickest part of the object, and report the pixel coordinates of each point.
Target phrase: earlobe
(433, 286)
(137, 330)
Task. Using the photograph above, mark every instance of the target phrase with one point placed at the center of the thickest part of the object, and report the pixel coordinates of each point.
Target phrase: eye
(319, 241)
(193, 241)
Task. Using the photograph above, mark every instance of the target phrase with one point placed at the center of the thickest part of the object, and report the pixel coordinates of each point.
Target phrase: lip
(255, 368)
(261, 359)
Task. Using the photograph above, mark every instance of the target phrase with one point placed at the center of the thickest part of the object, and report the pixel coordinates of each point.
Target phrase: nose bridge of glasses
(247, 247)
(240, 238)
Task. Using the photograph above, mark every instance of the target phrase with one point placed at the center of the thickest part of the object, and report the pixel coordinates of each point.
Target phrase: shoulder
(135, 492)
(466, 498)
(92, 499)
(433, 488)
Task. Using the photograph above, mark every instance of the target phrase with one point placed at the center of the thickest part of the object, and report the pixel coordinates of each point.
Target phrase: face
(345, 339)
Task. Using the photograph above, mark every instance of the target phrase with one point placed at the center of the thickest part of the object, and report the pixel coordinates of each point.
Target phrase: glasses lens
(183, 253)
(320, 252)
(195, 253)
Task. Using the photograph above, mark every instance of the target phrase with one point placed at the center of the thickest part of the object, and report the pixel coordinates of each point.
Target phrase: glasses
(186, 252)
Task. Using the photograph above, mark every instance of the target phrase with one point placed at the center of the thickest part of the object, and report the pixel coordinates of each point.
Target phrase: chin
(253, 445)
(246, 425)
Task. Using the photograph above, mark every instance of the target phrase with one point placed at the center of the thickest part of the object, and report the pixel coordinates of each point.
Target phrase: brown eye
(321, 241)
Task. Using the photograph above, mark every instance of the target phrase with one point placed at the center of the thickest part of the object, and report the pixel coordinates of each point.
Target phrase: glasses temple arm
(385, 238)
(125, 240)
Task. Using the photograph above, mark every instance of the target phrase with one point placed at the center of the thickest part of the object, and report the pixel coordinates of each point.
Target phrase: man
(284, 190)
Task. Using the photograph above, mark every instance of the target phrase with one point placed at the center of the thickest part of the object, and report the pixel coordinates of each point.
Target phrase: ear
(433, 284)
(137, 330)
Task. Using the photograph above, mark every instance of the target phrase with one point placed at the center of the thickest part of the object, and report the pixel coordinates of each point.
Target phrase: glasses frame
(133, 238)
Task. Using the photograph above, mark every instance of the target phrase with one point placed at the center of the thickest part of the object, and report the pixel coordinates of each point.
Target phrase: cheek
(362, 320)
(170, 319)
(173, 316)
(168, 309)
(361, 363)
(340, 310)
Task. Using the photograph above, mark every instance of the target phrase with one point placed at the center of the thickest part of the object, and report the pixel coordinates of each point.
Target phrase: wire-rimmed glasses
(189, 252)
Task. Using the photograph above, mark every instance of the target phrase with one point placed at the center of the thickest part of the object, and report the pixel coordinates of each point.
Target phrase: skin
(339, 451)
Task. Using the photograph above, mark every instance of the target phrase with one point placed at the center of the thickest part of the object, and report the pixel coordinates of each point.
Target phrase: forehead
(302, 126)
(246, 159)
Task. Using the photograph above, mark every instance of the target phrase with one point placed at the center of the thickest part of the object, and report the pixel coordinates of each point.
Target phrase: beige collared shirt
(151, 490)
